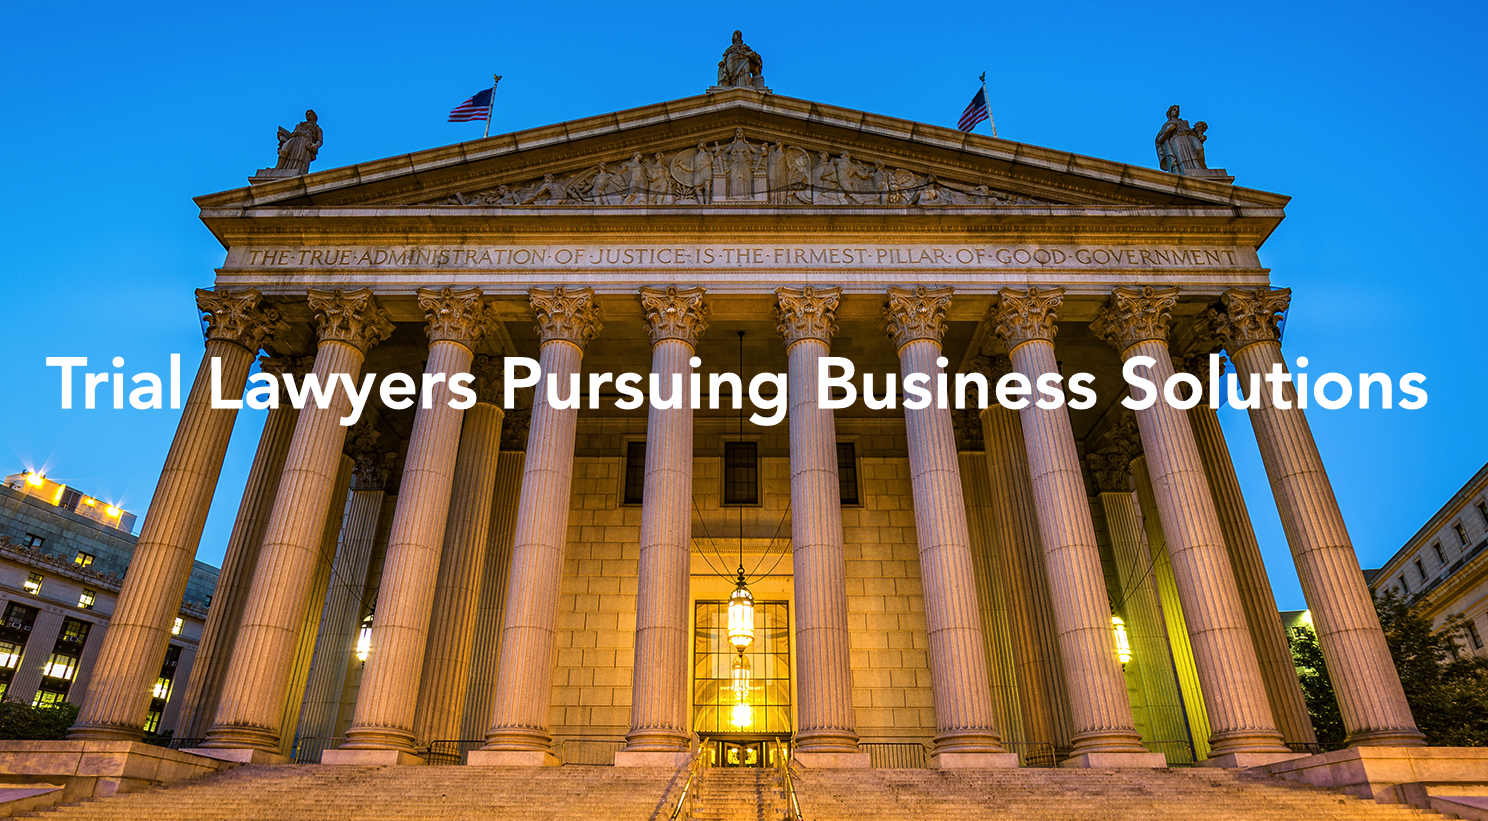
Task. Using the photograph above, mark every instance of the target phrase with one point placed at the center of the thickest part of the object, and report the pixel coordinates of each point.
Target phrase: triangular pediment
(741, 148)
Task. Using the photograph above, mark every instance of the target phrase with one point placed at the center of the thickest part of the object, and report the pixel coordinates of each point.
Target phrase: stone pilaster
(1135, 323)
(139, 628)
(1283, 690)
(1101, 713)
(1370, 697)
(442, 689)
(966, 724)
(827, 735)
(341, 620)
(388, 694)
(1042, 695)
(567, 319)
(661, 707)
(248, 714)
(199, 703)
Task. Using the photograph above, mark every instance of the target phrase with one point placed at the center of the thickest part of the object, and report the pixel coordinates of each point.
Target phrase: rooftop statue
(741, 66)
(1180, 149)
(298, 148)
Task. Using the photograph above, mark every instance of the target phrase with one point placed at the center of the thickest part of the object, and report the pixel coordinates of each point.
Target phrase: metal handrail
(692, 773)
(792, 803)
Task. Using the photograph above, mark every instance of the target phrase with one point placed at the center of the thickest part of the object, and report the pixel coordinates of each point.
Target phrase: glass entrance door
(743, 699)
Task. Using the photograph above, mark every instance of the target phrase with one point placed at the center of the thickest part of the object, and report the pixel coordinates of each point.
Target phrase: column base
(374, 758)
(512, 758)
(834, 760)
(1393, 775)
(241, 755)
(973, 761)
(1244, 760)
(642, 758)
(1102, 761)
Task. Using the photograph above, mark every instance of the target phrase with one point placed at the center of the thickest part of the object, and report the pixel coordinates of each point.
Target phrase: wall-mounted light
(35, 479)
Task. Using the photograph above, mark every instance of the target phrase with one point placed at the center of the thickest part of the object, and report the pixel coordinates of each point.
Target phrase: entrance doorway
(741, 704)
(741, 751)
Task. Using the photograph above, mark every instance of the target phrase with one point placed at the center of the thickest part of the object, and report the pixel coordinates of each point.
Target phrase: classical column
(1102, 720)
(382, 726)
(567, 319)
(991, 586)
(827, 735)
(1370, 698)
(1135, 322)
(1283, 690)
(199, 703)
(487, 641)
(966, 724)
(139, 628)
(660, 706)
(341, 619)
(248, 714)
(1140, 607)
(462, 562)
(1041, 684)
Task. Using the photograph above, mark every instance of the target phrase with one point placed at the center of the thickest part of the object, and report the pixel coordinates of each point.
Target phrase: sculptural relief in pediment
(740, 171)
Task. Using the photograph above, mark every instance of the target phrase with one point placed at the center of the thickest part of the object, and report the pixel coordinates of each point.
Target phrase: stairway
(574, 793)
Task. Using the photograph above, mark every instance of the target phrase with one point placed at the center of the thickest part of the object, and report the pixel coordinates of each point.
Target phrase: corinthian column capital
(1022, 316)
(353, 317)
(235, 316)
(916, 314)
(806, 313)
(455, 315)
(1111, 470)
(993, 366)
(296, 366)
(566, 313)
(372, 465)
(1251, 316)
(674, 313)
(1135, 315)
(487, 373)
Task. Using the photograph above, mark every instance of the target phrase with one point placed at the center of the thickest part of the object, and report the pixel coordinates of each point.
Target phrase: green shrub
(20, 721)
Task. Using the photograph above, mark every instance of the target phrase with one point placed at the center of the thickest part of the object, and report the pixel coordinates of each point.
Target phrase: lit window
(60, 665)
(33, 584)
(1461, 533)
(48, 698)
(1440, 555)
(740, 473)
(176, 628)
(87, 599)
(162, 689)
(74, 631)
(83, 559)
(847, 472)
(10, 654)
(33, 540)
(152, 721)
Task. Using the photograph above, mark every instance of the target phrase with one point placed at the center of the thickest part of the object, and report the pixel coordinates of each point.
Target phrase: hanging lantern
(741, 616)
(1123, 644)
(743, 713)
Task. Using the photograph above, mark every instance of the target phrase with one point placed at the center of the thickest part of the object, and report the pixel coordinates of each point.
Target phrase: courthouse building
(566, 580)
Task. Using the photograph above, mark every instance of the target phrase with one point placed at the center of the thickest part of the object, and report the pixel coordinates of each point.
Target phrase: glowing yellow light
(9, 660)
(34, 479)
(1123, 644)
(364, 644)
(90, 502)
(741, 617)
(176, 628)
(113, 511)
(743, 716)
(1307, 617)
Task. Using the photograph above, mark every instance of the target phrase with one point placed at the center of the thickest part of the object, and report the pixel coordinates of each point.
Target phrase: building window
(1404, 588)
(10, 655)
(33, 540)
(1461, 533)
(87, 599)
(162, 689)
(176, 628)
(1440, 555)
(33, 584)
(74, 631)
(1483, 511)
(83, 559)
(48, 698)
(847, 472)
(1472, 634)
(152, 721)
(60, 665)
(740, 473)
(1420, 568)
(635, 472)
(20, 617)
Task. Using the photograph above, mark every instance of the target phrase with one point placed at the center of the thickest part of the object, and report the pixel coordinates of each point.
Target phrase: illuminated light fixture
(1123, 644)
(743, 716)
(176, 627)
(113, 511)
(35, 479)
(364, 644)
(90, 502)
(1307, 617)
(741, 616)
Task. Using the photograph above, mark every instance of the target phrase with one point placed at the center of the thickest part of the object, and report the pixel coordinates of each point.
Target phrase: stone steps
(322, 793)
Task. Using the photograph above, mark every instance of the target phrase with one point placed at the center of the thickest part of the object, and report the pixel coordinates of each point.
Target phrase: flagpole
(990, 120)
(495, 79)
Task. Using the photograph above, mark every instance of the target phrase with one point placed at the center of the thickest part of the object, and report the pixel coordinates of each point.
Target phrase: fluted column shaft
(1041, 685)
(824, 688)
(441, 701)
(1370, 697)
(1234, 695)
(965, 721)
(139, 628)
(1097, 689)
(199, 704)
(660, 706)
(492, 603)
(992, 596)
(1278, 672)
(253, 695)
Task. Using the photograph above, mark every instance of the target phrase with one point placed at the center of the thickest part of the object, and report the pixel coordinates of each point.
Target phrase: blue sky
(1369, 115)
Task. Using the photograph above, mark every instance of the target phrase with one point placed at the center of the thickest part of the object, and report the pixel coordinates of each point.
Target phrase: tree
(1447, 689)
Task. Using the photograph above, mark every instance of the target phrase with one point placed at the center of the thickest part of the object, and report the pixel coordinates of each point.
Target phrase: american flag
(974, 113)
(478, 108)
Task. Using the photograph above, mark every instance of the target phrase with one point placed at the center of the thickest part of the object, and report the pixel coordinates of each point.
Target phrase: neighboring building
(1446, 564)
(63, 556)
